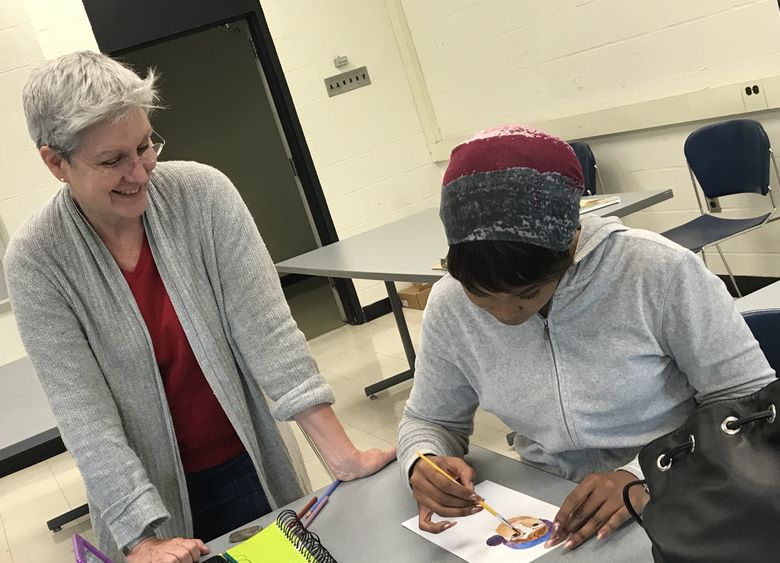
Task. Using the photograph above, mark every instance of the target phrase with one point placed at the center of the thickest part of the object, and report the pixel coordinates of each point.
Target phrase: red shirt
(205, 436)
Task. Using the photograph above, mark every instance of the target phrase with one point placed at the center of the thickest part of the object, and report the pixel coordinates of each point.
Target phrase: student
(587, 338)
(155, 320)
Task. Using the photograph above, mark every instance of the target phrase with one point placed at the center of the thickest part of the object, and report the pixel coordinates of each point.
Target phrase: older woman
(154, 318)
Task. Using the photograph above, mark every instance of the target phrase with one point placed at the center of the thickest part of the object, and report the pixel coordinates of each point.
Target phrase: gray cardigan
(91, 350)
(638, 332)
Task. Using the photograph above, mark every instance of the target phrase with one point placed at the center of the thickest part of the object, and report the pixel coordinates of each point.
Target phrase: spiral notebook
(285, 541)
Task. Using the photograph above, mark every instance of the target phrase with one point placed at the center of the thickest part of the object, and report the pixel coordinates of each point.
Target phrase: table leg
(406, 339)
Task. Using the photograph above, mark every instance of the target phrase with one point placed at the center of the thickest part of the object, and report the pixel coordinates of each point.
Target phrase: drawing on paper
(531, 516)
(534, 531)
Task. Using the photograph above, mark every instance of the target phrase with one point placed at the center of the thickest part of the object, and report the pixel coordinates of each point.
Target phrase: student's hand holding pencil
(436, 494)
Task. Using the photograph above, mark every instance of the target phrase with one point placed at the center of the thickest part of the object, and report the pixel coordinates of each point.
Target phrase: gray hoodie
(638, 332)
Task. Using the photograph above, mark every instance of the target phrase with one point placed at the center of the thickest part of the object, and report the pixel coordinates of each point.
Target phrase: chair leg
(704, 259)
(731, 276)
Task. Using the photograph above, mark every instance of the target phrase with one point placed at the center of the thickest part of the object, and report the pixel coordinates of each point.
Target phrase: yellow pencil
(482, 503)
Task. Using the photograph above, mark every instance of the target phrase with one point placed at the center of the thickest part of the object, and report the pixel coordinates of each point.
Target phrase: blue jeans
(225, 497)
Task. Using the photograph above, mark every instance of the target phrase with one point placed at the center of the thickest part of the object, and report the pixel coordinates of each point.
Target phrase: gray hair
(67, 95)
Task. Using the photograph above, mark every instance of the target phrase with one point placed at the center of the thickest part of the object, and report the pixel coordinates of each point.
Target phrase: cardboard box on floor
(416, 296)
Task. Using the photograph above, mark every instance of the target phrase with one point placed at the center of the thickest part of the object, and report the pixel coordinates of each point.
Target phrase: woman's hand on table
(595, 507)
(345, 461)
(435, 494)
(175, 550)
(362, 463)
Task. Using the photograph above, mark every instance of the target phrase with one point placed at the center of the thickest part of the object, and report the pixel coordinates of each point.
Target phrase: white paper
(468, 538)
(592, 203)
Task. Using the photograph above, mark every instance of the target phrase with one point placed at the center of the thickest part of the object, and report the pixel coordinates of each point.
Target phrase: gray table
(407, 250)
(26, 421)
(362, 520)
(765, 298)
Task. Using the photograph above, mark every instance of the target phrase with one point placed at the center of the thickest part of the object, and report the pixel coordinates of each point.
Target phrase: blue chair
(726, 158)
(590, 171)
(765, 326)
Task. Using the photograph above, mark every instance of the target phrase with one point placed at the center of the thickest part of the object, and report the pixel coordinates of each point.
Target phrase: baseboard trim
(378, 309)
(291, 279)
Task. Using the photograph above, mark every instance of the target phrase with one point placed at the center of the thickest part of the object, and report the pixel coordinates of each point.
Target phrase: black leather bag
(714, 484)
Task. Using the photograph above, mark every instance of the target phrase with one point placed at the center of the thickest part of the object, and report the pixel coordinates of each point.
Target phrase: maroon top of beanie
(513, 146)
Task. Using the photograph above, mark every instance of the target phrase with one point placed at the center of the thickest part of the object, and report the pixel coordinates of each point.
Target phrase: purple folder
(81, 547)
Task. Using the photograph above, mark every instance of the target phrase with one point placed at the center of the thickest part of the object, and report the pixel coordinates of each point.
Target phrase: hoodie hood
(596, 236)
(595, 230)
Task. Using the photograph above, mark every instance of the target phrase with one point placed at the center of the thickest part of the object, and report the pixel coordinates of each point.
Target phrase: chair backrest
(765, 326)
(588, 164)
(730, 157)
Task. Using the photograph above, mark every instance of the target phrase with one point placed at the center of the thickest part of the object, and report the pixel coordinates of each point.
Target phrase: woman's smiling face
(108, 175)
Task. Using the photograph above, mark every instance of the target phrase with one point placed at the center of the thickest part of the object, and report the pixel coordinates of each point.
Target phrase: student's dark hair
(504, 266)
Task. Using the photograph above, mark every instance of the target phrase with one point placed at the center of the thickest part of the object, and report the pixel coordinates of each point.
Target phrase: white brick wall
(495, 61)
(492, 61)
(367, 145)
(61, 26)
(30, 32)
(24, 177)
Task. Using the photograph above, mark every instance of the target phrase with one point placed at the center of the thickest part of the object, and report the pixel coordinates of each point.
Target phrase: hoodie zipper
(557, 379)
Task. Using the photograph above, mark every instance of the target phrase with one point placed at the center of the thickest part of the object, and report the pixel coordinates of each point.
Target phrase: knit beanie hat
(512, 183)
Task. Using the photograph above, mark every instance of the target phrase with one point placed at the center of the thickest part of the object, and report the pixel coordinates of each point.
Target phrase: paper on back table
(467, 539)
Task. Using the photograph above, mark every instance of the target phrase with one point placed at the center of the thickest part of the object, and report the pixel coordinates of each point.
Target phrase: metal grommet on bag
(724, 425)
(669, 456)
(771, 419)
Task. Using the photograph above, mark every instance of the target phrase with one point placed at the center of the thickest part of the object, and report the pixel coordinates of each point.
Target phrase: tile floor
(351, 357)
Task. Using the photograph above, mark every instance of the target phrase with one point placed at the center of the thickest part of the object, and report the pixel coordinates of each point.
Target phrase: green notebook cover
(285, 541)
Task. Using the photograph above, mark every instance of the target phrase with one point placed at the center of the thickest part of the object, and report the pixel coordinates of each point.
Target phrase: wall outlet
(346, 81)
(753, 96)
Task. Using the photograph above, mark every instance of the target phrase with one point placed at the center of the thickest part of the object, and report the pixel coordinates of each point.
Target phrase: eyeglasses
(121, 166)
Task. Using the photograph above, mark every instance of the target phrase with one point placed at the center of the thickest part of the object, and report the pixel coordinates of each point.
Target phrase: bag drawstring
(730, 425)
(664, 461)
(627, 500)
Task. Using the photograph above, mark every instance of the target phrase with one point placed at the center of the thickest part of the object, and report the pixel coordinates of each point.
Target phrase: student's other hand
(176, 550)
(363, 463)
(595, 507)
(435, 494)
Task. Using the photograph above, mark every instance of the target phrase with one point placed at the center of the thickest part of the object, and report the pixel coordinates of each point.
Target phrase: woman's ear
(54, 161)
